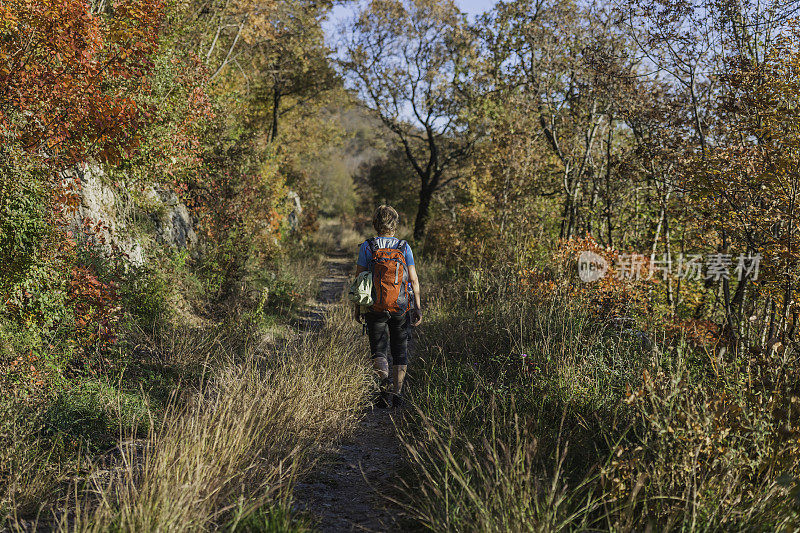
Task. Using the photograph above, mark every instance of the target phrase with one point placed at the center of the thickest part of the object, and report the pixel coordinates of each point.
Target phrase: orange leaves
(132, 35)
(68, 197)
(96, 308)
(274, 221)
(699, 333)
(746, 187)
(58, 64)
(609, 297)
(24, 370)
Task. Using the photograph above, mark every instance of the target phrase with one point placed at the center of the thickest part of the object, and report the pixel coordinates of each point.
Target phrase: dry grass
(30, 469)
(167, 343)
(497, 484)
(253, 428)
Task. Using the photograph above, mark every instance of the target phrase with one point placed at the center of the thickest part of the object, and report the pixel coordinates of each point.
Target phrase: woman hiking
(391, 262)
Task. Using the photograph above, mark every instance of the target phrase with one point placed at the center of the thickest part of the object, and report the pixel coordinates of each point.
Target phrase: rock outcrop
(110, 210)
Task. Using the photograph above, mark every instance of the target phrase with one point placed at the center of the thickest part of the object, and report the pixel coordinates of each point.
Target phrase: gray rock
(296, 210)
(111, 205)
(174, 225)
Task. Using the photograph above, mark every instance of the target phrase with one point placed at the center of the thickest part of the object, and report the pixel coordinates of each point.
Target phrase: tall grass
(336, 236)
(535, 415)
(30, 466)
(494, 483)
(505, 435)
(235, 447)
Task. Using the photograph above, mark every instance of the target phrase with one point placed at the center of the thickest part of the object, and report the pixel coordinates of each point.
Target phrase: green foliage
(145, 293)
(24, 224)
(91, 414)
(39, 300)
(30, 466)
(393, 181)
(33, 278)
(283, 289)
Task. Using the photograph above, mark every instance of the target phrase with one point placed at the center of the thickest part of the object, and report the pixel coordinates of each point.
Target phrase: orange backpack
(389, 278)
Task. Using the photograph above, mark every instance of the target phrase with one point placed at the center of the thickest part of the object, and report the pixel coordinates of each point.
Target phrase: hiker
(395, 307)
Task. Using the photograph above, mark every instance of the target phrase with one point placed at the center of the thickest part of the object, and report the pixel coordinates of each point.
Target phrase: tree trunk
(276, 104)
(670, 288)
(592, 204)
(565, 217)
(423, 211)
(609, 223)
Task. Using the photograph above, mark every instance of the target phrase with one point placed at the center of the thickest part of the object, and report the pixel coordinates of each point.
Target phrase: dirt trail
(345, 492)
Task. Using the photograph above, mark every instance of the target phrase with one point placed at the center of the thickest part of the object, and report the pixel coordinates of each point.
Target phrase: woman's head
(385, 220)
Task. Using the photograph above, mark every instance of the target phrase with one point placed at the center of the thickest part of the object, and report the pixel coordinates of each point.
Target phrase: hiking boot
(398, 401)
(383, 399)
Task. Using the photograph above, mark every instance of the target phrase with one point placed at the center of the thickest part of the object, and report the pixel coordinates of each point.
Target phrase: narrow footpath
(347, 489)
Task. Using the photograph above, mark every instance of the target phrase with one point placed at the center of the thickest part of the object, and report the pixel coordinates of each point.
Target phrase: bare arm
(412, 277)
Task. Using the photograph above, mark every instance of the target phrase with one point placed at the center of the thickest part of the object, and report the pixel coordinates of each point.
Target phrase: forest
(600, 196)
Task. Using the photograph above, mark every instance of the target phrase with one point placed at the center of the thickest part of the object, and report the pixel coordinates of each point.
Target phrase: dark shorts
(389, 333)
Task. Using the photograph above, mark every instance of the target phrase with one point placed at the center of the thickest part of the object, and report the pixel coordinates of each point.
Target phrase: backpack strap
(372, 245)
(402, 247)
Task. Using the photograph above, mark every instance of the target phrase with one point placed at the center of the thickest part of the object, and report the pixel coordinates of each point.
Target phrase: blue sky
(472, 7)
(475, 7)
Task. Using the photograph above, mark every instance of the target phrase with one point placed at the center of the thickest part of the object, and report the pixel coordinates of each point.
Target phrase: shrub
(721, 453)
(96, 310)
(24, 225)
(145, 294)
(30, 466)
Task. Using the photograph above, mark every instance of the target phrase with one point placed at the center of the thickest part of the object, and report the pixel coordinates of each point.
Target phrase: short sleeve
(363, 255)
(409, 256)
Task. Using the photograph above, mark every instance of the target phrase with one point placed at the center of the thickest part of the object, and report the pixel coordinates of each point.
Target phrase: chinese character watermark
(716, 267)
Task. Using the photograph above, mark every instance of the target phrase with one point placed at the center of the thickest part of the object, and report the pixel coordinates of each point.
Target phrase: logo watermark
(591, 266)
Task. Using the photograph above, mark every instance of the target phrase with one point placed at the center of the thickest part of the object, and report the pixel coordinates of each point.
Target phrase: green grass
(94, 412)
(273, 518)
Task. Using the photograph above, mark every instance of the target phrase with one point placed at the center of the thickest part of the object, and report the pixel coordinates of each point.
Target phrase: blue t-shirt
(365, 254)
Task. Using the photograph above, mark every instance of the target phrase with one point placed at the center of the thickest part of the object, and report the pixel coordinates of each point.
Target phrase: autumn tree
(68, 80)
(272, 54)
(550, 61)
(748, 184)
(408, 61)
(692, 50)
(295, 68)
(67, 76)
(269, 78)
(77, 87)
